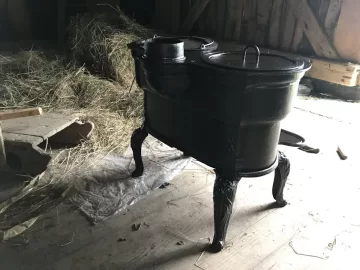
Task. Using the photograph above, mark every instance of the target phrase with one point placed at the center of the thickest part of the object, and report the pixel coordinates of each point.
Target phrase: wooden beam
(12, 114)
(346, 74)
(332, 16)
(324, 6)
(298, 35)
(194, 15)
(315, 33)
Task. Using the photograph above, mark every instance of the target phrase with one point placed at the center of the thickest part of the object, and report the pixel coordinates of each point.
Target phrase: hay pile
(96, 84)
(103, 48)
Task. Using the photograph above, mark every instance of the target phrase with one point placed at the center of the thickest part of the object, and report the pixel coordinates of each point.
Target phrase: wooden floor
(319, 229)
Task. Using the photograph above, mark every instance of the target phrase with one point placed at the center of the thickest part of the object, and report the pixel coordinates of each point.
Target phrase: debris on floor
(341, 154)
(136, 227)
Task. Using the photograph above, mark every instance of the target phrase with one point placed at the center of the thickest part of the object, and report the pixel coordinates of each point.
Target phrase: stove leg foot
(281, 175)
(224, 196)
(137, 140)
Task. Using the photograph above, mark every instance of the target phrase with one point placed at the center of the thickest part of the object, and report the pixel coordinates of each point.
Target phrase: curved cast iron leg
(224, 196)
(137, 140)
(281, 175)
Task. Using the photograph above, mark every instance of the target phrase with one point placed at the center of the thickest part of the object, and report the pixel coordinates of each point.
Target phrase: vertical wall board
(275, 22)
(263, 15)
(289, 25)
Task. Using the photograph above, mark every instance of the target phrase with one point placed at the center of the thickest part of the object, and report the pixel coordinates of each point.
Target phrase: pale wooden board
(335, 72)
(12, 114)
(275, 22)
(313, 30)
(32, 140)
(43, 126)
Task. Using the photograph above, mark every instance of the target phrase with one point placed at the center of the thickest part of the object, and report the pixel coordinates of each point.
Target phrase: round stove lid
(252, 60)
(193, 43)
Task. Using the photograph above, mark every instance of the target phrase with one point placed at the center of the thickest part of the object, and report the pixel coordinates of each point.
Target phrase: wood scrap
(12, 114)
(341, 154)
(346, 74)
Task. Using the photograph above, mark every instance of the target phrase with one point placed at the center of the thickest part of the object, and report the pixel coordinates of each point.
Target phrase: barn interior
(71, 98)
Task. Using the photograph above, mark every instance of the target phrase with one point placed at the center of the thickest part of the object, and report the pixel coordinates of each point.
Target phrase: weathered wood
(315, 33)
(194, 15)
(175, 12)
(249, 21)
(185, 8)
(275, 22)
(233, 18)
(238, 11)
(335, 72)
(289, 22)
(220, 18)
(43, 126)
(230, 19)
(332, 16)
(298, 35)
(263, 16)
(163, 15)
(324, 6)
(12, 114)
(2, 150)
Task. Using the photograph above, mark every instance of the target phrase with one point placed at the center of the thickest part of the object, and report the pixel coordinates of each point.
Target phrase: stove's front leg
(137, 140)
(224, 196)
(281, 175)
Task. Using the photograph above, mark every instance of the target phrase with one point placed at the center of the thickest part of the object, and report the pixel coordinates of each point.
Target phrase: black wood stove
(221, 107)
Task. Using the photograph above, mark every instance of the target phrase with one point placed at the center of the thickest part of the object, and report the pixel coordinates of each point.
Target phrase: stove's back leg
(224, 196)
(281, 175)
(137, 140)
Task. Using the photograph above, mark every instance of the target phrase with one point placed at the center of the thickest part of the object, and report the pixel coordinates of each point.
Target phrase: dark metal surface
(137, 140)
(224, 113)
(165, 49)
(257, 52)
(224, 196)
(281, 174)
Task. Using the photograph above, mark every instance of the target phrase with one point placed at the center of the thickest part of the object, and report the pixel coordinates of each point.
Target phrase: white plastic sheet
(109, 188)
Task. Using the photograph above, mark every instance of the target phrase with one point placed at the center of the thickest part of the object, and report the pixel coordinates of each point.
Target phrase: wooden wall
(309, 27)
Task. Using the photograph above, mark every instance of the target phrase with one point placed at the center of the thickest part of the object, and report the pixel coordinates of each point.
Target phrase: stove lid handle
(257, 52)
